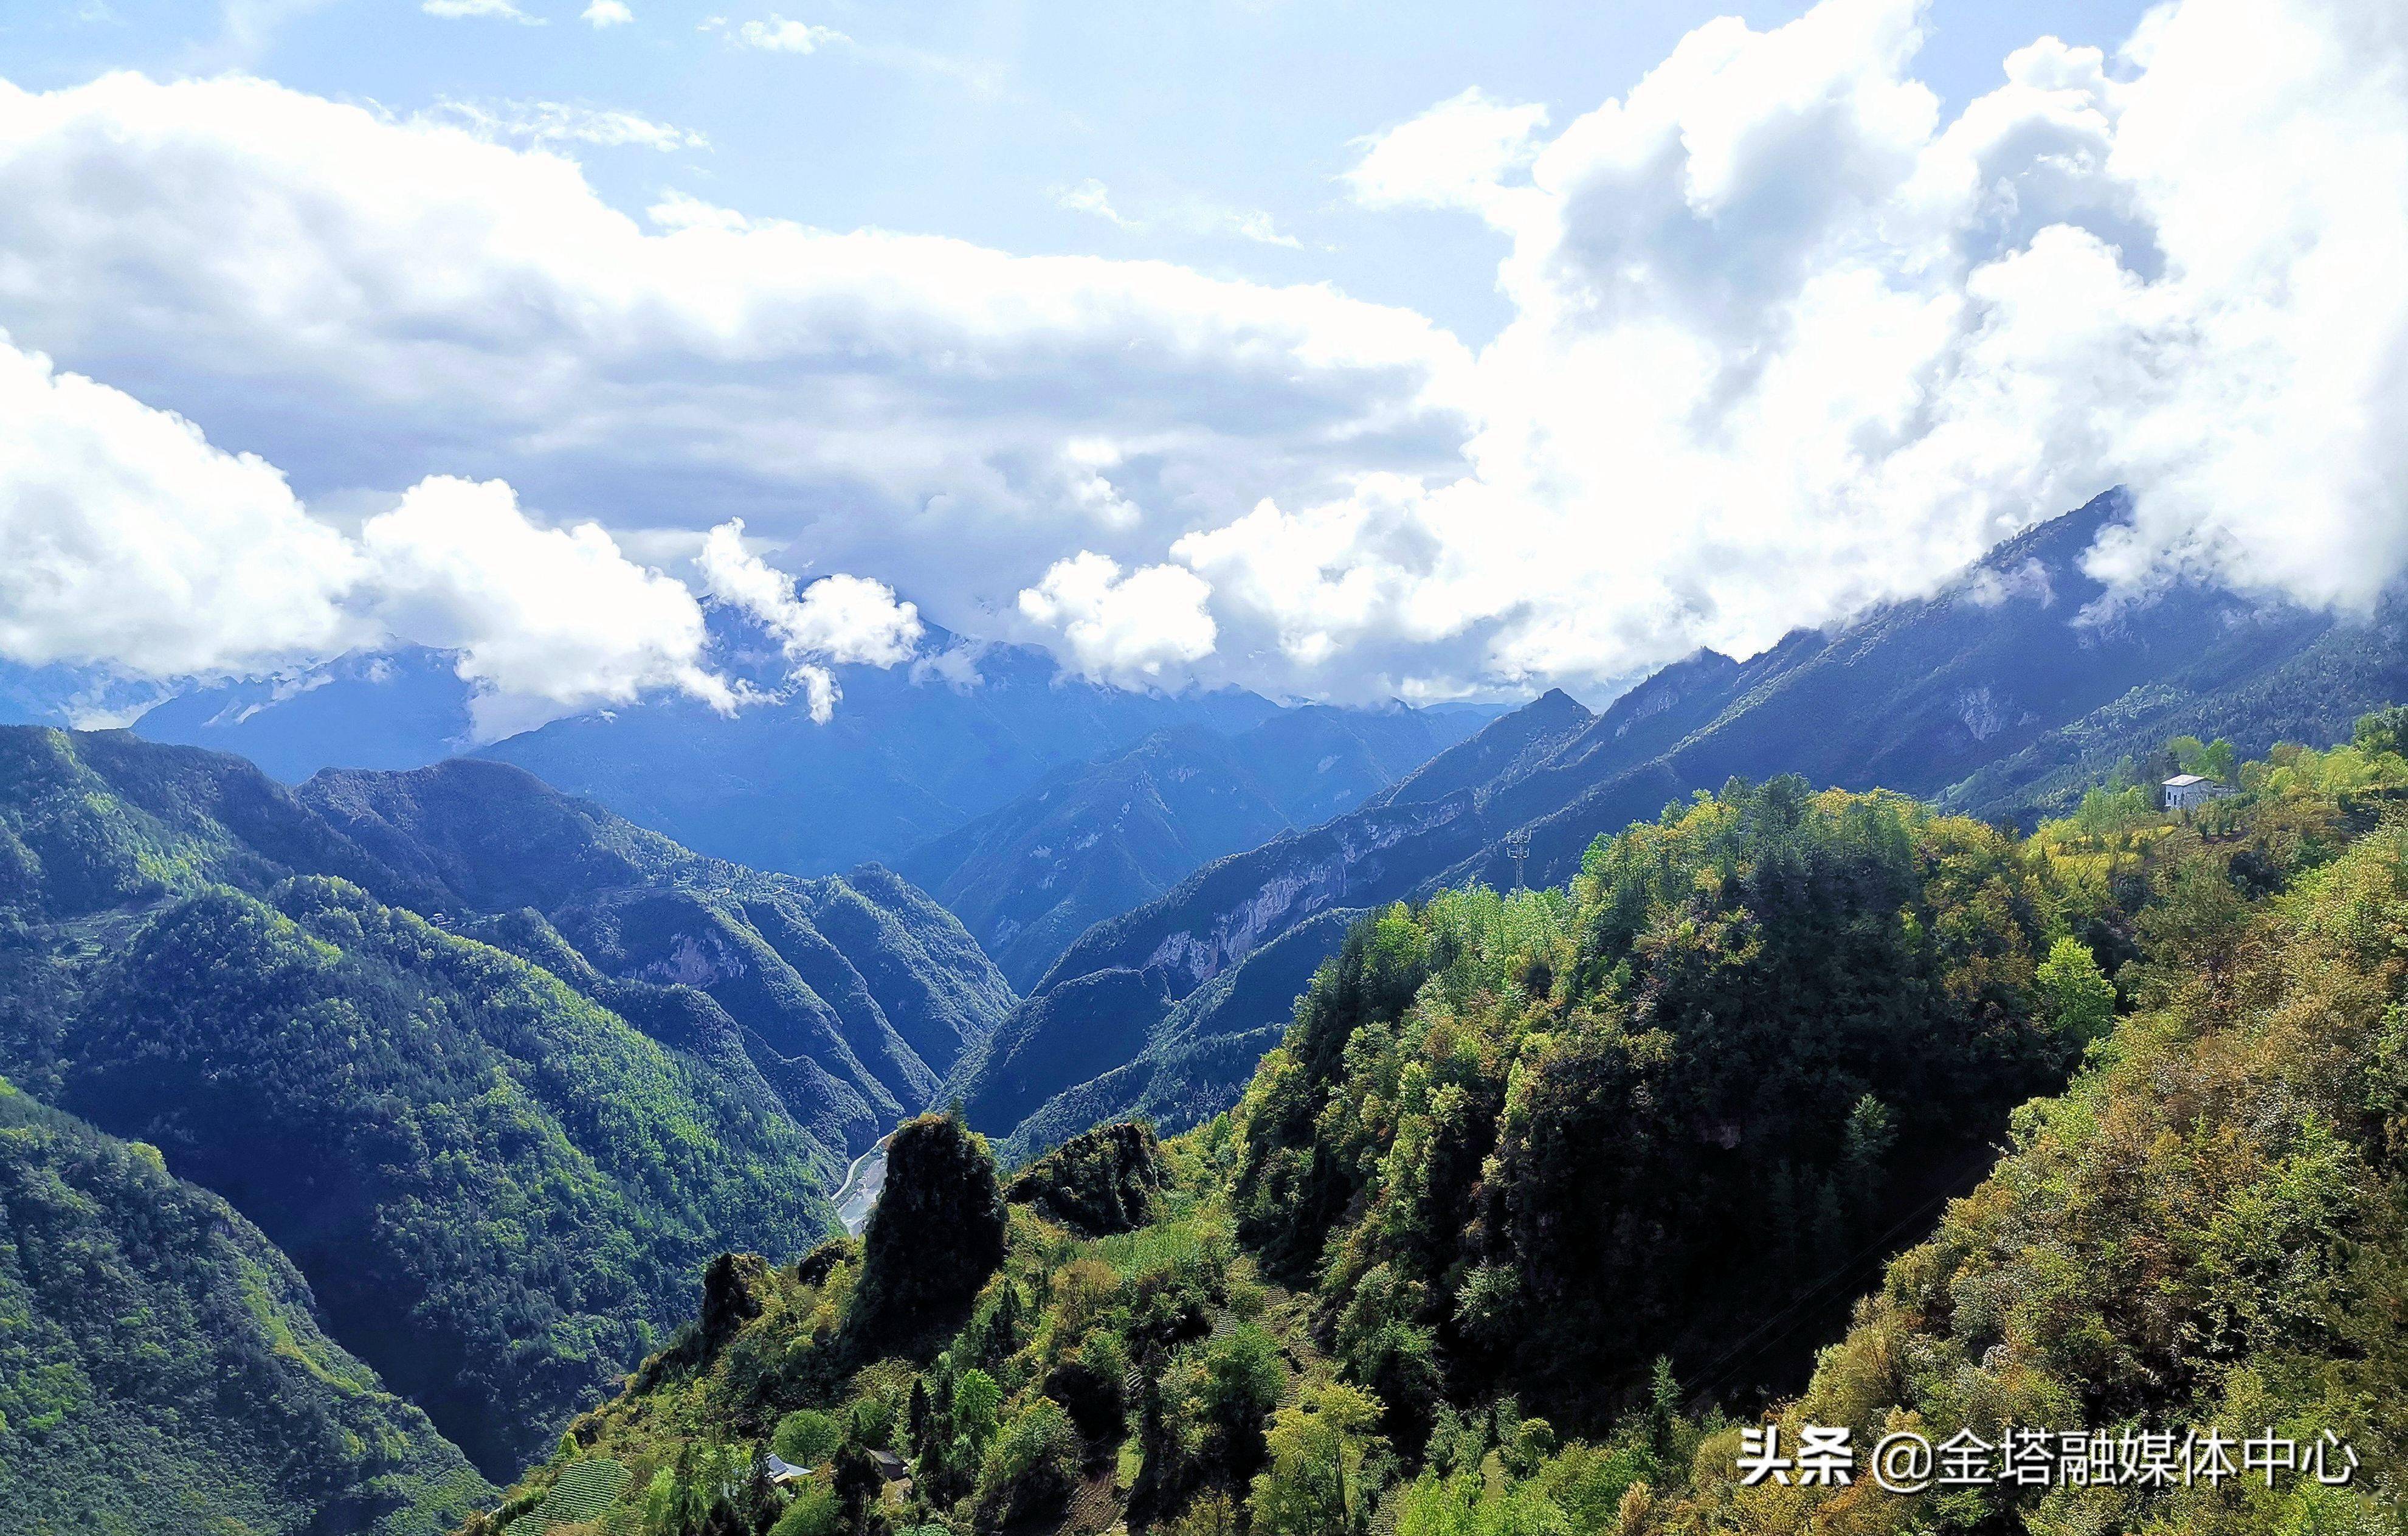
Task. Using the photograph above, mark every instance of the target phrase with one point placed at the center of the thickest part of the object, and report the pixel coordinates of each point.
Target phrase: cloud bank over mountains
(1785, 342)
(134, 542)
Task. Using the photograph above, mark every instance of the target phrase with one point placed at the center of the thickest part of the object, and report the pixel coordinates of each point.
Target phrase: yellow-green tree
(2076, 997)
(1327, 1462)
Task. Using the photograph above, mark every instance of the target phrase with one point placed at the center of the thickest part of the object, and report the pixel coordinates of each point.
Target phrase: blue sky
(1338, 351)
(971, 119)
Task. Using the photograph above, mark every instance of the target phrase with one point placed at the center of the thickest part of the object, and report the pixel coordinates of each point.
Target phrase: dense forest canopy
(163, 1368)
(1542, 1138)
(1542, 1189)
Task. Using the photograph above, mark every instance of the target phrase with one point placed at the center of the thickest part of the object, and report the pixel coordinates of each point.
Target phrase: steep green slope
(496, 1187)
(1546, 1139)
(98, 822)
(1198, 1056)
(1070, 1034)
(1004, 1394)
(2205, 1232)
(859, 986)
(2311, 694)
(162, 1369)
(1091, 841)
(440, 1036)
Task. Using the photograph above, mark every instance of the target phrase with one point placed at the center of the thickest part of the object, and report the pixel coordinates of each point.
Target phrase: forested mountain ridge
(1091, 841)
(2021, 662)
(1524, 1165)
(163, 1368)
(858, 980)
(499, 1141)
(2253, 687)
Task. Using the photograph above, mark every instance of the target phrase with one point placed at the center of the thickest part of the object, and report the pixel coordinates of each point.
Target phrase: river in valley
(863, 1183)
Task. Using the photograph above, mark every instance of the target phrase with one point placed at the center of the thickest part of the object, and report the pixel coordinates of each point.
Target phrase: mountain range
(1096, 839)
(910, 756)
(2000, 697)
(497, 1070)
(455, 1083)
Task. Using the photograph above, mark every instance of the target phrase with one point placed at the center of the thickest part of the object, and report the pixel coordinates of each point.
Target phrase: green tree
(857, 1483)
(2105, 813)
(1871, 1131)
(806, 1436)
(1326, 1463)
(976, 1398)
(1663, 1409)
(2385, 730)
(815, 1512)
(1464, 1505)
(1032, 1463)
(2076, 998)
(2208, 759)
(1211, 1515)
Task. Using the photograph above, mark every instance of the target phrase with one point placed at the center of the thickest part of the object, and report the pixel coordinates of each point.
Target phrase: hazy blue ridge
(1097, 839)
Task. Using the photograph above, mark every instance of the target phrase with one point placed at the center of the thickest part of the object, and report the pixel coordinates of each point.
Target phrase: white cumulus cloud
(138, 546)
(606, 13)
(369, 301)
(133, 542)
(1787, 339)
(780, 35)
(1456, 154)
(840, 619)
(500, 11)
(548, 620)
(1788, 343)
(1131, 629)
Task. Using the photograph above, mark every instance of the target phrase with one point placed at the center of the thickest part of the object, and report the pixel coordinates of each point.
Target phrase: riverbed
(863, 1181)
